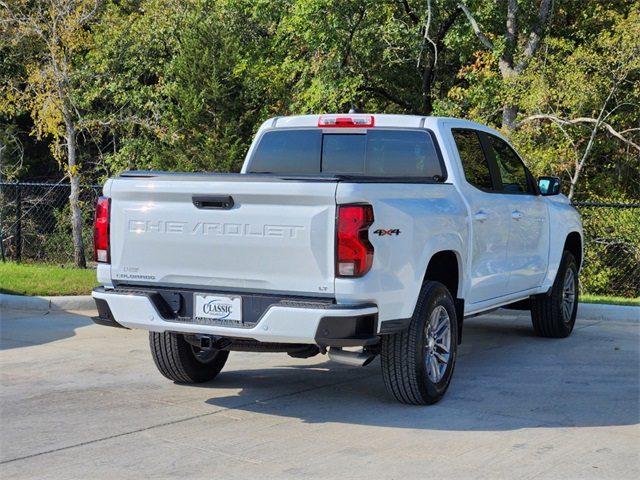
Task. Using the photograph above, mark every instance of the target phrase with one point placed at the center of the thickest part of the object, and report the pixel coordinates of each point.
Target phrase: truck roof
(361, 120)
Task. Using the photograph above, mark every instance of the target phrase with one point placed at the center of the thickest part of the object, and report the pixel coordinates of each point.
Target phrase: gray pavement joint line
(584, 325)
(175, 422)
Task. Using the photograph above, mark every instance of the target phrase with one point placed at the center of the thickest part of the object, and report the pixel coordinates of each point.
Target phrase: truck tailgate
(170, 231)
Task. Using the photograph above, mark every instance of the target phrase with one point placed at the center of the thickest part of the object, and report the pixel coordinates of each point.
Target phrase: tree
(167, 89)
(438, 20)
(384, 56)
(513, 54)
(11, 153)
(585, 98)
(47, 89)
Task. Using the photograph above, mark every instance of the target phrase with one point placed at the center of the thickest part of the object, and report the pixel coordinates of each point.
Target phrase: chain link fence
(36, 226)
(36, 221)
(611, 264)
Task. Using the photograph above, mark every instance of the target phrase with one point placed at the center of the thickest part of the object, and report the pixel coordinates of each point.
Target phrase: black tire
(553, 316)
(182, 362)
(418, 363)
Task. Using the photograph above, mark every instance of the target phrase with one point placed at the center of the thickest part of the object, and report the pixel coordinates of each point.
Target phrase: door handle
(481, 216)
(517, 215)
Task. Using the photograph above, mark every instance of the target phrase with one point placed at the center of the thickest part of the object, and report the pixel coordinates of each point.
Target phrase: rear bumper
(268, 318)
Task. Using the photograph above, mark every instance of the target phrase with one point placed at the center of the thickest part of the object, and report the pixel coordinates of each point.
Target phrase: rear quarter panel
(429, 218)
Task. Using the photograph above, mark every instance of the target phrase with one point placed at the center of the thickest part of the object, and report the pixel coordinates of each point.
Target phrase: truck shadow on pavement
(505, 379)
(26, 328)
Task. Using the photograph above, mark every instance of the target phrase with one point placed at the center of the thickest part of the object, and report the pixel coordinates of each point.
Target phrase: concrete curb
(18, 302)
(590, 311)
(593, 311)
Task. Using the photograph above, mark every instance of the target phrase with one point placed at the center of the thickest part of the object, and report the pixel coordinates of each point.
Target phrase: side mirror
(549, 186)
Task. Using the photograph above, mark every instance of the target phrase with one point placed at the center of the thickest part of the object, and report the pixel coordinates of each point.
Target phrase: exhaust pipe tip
(355, 359)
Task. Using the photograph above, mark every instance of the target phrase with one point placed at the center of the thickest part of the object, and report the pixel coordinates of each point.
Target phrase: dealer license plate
(218, 308)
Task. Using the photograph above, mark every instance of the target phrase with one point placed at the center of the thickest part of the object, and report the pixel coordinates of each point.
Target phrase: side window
(512, 170)
(474, 163)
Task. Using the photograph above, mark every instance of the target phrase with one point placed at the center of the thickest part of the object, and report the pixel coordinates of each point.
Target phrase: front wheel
(182, 362)
(554, 315)
(417, 364)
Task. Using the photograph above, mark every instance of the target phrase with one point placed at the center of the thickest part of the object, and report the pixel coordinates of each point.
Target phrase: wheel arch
(445, 267)
(573, 243)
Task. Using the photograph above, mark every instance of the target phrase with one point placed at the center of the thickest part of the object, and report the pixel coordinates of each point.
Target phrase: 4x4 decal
(392, 231)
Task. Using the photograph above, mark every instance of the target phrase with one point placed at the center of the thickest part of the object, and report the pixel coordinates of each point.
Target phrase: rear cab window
(288, 151)
(364, 153)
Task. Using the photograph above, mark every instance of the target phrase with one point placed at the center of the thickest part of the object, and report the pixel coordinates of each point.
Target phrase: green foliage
(50, 38)
(169, 94)
(583, 100)
(123, 92)
(480, 95)
(182, 85)
(46, 39)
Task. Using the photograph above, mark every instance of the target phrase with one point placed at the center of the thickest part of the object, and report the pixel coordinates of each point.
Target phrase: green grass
(38, 279)
(630, 302)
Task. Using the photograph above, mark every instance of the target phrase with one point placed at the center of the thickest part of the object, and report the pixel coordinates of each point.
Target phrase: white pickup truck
(349, 234)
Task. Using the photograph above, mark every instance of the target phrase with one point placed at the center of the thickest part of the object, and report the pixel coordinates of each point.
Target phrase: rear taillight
(101, 251)
(355, 252)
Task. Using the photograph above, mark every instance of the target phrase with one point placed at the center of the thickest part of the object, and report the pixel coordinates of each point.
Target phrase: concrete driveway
(83, 401)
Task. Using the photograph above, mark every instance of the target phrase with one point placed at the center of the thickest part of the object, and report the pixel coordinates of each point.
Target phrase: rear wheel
(180, 361)
(417, 364)
(554, 315)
